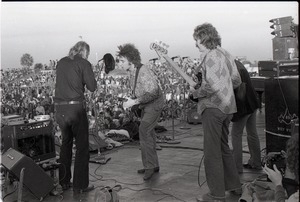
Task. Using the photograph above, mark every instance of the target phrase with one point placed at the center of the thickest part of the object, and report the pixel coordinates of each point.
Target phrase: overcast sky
(47, 30)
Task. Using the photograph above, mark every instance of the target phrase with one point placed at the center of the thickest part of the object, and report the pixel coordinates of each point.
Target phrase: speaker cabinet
(35, 178)
(35, 140)
(281, 46)
(281, 108)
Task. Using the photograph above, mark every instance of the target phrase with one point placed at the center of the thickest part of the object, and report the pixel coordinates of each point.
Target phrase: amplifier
(12, 120)
(276, 68)
(36, 140)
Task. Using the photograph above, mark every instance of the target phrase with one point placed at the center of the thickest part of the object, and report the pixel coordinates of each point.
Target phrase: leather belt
(68, 103)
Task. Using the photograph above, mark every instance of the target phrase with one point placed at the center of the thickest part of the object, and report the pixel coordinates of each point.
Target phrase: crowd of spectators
(29, 93)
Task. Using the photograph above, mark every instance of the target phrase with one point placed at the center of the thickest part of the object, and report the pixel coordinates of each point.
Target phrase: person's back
(73, 74)
(245, 117)
(251, 102)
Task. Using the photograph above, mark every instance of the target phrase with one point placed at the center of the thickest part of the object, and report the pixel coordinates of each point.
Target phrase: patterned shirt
(148, 89)
(219, 77)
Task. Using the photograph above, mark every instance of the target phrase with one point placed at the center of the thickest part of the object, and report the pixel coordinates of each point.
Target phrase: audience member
(287, 187)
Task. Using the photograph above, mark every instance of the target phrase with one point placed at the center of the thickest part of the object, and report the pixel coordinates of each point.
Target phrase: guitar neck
(179, 70)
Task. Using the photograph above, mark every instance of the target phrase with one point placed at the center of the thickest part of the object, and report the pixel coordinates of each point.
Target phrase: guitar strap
(135, 80)
(199, 73)
(135, 108)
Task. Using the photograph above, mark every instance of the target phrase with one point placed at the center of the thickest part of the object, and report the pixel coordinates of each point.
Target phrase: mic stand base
(100, 159)
(173, 142)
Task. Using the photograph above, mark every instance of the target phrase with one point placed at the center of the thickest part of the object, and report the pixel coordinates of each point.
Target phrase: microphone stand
(100, 158)
(184, 102)
(173, 141)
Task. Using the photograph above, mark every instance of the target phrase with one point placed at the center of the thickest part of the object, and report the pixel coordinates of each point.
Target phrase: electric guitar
(129, 103)
(162, 52)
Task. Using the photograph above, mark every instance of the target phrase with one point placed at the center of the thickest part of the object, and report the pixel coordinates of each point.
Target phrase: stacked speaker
(281, 84)
(285, 42)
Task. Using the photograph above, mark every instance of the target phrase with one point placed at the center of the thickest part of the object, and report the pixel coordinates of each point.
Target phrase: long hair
(130, 52)
(81, 48)
(208, 35)
(292, 150)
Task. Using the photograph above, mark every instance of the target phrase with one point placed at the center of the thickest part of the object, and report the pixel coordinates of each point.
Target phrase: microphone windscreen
(109, 62)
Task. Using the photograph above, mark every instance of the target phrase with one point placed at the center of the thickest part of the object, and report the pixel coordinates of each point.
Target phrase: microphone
(153, 59)
(175, 57)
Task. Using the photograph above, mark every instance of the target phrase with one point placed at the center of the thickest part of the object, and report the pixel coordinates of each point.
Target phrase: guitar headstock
(160, 48)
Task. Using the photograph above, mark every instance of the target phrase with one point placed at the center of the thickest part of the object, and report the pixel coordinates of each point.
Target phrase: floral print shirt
(148, 88)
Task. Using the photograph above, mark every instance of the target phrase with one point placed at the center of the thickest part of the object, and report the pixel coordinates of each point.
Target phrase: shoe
(148, 174)
(248, 166)
(66, 186)
(236, 192)
(142, 171)
(89, 188)
(208, 197)
(158, 147)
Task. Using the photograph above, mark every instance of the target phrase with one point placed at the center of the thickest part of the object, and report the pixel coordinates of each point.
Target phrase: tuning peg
(152, 46)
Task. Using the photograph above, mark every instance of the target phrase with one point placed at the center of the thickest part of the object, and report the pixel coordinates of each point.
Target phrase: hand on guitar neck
(161, 50)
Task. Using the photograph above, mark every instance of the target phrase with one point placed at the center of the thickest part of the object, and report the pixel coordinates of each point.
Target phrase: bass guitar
(162, 52)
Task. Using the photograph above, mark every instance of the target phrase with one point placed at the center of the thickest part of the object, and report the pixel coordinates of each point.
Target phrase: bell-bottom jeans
(220, 170)
(73, 122)
(147, 135)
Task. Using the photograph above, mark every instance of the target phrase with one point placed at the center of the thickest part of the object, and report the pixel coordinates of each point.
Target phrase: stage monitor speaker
(35, 178)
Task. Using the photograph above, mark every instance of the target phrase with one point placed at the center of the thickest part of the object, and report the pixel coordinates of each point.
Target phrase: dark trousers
(73, 122)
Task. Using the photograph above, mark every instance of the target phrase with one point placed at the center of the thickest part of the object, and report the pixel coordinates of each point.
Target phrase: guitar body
(136, 110)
